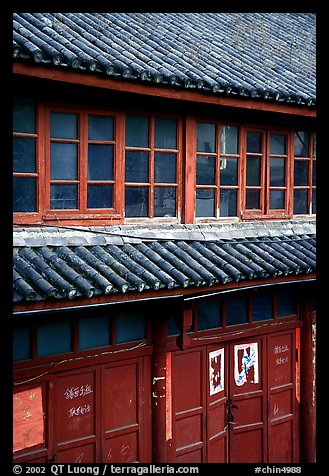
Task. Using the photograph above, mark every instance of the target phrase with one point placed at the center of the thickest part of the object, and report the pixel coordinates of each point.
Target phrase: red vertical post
(307, 386)
(159, 328)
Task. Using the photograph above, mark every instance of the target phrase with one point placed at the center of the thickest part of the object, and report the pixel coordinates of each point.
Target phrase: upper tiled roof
(259, 55)
(59, 263)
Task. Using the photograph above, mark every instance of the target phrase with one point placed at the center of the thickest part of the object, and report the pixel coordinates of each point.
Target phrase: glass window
(313, 201)
(277, 172)
(164, 133)
(236, 311)
(129, 327)
(63, 126)
(137, 130)
(24, 115)
(24, 194)
(301, 168)
(63, 197)
(228, 171)
(93, 332)
(301, 144)
(206, 134)
(262, 309)
(205, 170)
(286, 304)
(63, 161)
(164, 167)
(253, 199)
(24, 155)
(277, 199)
(100, 196)
(229, 140)
(314, 172)
(228, 203)
(254, 142)
(300, 202)
(277, 144)
(164, 201)
(205, 202)
(100, 162)
(137, 166)
(172, 329)
(100, 128)
(208, 314)
(253, 170)
(53, 338)
(136, 202)
(21, 343)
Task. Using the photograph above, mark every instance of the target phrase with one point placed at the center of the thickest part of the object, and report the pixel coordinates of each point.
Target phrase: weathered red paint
(159, 91)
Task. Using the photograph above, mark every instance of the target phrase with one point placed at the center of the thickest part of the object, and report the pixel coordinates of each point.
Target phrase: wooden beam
(116, 298)
(95, 80)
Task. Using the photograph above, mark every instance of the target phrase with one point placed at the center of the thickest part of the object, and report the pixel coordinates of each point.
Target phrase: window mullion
(151, 167)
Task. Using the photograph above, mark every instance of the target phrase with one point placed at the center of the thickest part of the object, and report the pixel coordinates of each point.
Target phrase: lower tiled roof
(61, 263)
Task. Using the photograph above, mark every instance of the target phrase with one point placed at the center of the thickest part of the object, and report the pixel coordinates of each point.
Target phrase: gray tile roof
(259, 55)
(60, 263)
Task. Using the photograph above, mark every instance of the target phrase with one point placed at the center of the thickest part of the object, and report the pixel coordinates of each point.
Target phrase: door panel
(124, 389)
(282, 443)
(248, 397)
(217, 397)
(75, 416)
(188, 404)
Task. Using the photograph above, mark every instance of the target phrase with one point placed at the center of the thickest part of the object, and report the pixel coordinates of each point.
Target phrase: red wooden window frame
(265, 187)
(310, 188)
(151, 184)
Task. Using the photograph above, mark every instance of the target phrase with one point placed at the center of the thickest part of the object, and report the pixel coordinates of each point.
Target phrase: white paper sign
(246, 367)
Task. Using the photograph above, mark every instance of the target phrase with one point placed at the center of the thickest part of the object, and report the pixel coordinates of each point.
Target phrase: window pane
(63, 161)
(100, 162)
(63, 197)
(206, 134)
(205, 203)
(236, 311)
(137, 131)
(172, 329)
(63, 126)
(277, 199)
(100, 196)
(24, 194)
(301, 172)
(314, 172)
(21, 343)
(229, 140)
(300, 202)
(253, 199)
(137, 166)
(314, 146)
(100, 128)
(253, 170)
(228, 171)
(205, 170)
(164, 167)
(254, 142)
(277, 172)
(261, 306)
(24, 115)
(277, 144)
(23, 155)
(93, 332)
(164, 133)
(301, 144)
(208, 314)
(285, 305)
(313, 201)
(228, 203)
(164, 201)
(129, 327)
(53, 338)
(136, 202)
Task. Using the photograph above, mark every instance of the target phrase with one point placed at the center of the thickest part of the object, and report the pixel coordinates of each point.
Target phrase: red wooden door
(283, 409)
(247, 401)
(126, 412)
(217, 391)
(75, 416)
